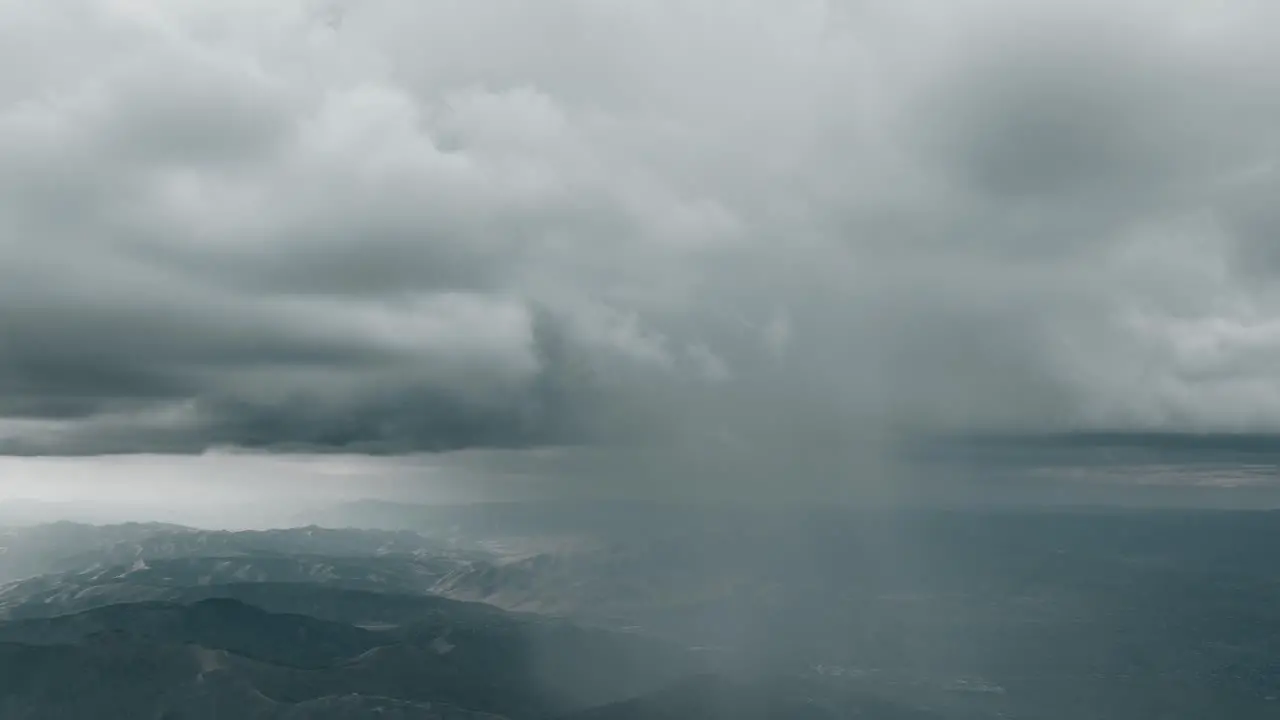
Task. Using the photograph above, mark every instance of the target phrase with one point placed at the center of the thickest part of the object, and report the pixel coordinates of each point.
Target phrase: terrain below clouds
(650, 611)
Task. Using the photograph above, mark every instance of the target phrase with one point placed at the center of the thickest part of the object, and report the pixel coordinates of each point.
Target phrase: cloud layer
(394, 226)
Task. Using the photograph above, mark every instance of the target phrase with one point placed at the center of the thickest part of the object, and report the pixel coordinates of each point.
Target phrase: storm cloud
(397, 226)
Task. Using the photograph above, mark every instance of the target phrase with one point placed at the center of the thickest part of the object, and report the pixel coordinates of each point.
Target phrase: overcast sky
(403, 226)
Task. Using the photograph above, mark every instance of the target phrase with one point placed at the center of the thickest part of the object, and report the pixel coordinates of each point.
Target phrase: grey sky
(398, 226)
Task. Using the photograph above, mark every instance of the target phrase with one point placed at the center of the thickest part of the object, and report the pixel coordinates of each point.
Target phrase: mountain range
(933, 615)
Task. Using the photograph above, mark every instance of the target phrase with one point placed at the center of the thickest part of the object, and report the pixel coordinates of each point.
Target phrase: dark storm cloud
(1074, 111)
(765, 229)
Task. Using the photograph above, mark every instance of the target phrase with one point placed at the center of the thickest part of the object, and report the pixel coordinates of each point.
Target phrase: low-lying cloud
(394, 226)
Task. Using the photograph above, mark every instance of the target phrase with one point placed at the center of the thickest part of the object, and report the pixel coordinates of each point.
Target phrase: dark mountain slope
(114, 678)
(217, 623)
(140, 656)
